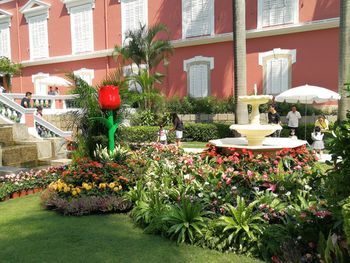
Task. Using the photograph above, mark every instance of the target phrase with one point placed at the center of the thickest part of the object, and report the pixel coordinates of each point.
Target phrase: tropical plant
(119, 155)
(242, 226)
(9, 69)
(186, 221)
(142, 46)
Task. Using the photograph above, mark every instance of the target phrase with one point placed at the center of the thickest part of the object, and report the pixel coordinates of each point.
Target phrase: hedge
(346, 217)
(193, 132)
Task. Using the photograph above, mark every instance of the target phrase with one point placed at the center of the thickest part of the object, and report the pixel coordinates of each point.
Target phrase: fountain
(255, 133)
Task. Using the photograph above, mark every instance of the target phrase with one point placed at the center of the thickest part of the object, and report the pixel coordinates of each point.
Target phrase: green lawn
(30, 234)
(194, 144)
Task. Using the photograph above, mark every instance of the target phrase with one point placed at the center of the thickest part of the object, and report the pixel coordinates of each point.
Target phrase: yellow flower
(116, 189)
(66, 189)
(74, 192)
(86, 186)
(111, 185)
(78, 190)
(102, 185)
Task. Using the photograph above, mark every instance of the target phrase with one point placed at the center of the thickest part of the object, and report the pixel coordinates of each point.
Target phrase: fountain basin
(255, 99)
(268, 144)
(256, 133)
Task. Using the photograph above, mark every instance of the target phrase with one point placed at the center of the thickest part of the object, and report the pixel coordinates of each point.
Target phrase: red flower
(108, 97)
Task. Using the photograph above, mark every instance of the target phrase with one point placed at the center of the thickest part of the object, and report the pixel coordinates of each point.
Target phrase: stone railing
(54, 102)
(48, 130)
(12, 112)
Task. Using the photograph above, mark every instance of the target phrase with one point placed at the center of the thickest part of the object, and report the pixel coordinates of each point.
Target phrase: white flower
(307, 187)
(187, 176)
(288, 193)
(200, 195)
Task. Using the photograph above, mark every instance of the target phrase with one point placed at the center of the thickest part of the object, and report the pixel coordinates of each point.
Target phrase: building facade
(289, 42)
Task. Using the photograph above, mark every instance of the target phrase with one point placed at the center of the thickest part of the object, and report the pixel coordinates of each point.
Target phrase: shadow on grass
(30, 234)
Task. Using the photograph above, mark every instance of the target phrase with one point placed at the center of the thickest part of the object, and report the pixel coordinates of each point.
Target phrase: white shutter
(278, 12)
(5, 44)
(38, 37)
(197, 15)
(134, 13)
(85, 74)
(82, 29)
(199, 80)
(277, 74)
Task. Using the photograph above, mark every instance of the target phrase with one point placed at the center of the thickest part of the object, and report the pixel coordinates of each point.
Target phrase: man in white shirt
(293, 120)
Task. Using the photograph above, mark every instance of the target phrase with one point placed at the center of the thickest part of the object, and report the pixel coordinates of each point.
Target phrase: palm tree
(344, 59)
(239, 60)
(142, 47)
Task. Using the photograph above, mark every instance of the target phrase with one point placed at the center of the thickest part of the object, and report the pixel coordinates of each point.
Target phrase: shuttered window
(197, 17)
(5, 44)
(134, 13)
(85, 74)
(278, 12)
(82, 29)
(198, 81)
(277, 76)
(38, 37)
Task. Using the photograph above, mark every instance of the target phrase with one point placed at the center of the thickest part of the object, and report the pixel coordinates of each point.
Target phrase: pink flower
(228, 181)
(223, 176)
(275, 162)
(250, 173)
(219, 160)
(298, 167)
(272, 187)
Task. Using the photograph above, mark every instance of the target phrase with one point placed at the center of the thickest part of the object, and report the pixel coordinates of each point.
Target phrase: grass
(29, 233)
(194, 144)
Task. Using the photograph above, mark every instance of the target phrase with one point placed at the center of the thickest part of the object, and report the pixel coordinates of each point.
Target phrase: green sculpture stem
(112, 126)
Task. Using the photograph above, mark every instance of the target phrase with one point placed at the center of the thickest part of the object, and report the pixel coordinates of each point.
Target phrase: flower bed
(15, 185)
(88, 186)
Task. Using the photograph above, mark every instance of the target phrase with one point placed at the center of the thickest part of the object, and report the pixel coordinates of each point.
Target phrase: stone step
(14, 132)
(20, 155)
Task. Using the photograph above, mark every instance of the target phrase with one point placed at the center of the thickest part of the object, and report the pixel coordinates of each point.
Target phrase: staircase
(20, 149)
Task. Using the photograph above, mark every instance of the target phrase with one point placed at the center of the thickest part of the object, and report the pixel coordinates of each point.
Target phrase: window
(82, 29)
(5, 44)
(134, 13)
(39, 88)
(277, 67)
(81, 23)
(38, 37)
(277, 12)
(197, 18)
(86, 74)
(36, 13)
(198, 76)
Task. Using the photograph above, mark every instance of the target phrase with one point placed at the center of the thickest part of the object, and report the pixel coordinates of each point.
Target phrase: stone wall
(62, 121)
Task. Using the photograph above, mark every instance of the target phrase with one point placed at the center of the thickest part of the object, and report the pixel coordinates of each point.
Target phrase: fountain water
(255, 133)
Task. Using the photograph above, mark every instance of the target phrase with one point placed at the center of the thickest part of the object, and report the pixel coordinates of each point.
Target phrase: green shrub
(193, 132)
(346, 217)
(207, 105)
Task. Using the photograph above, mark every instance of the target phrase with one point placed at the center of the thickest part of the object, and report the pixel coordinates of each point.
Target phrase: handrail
(36, 96)
(12, 110)
(53, 130)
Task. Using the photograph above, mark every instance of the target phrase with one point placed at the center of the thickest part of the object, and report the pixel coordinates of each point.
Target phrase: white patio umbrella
(307, 94)
(55, 81)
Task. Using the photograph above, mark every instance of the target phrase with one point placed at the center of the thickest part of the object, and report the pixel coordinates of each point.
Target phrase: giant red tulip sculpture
(109, 99)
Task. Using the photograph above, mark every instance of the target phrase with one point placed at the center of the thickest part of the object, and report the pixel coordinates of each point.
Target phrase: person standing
(274, 118)
(322, 122)
(162, 135)
(25, 102)
(317, 137)
(51, 91)
(178, 127)
(293, 120)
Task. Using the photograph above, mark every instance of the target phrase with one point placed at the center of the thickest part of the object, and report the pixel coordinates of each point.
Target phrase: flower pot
(30, 191)
(23, 193)
(15, 195)
(36, 190)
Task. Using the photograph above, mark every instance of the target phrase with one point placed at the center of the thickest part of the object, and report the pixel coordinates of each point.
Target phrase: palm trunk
(344, 59)
(239, 60)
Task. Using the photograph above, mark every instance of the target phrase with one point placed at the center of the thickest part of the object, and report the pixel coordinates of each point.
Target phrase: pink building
(289, 42)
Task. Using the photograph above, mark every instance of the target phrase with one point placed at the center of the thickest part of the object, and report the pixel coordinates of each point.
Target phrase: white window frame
(185, 23)
(32, 10)
(73, 5)
(260, 21)
(31, 44)
(84, 71)
(123, 15)
(5, 24)
(277, 53)
(209, 61)
(35, 79)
